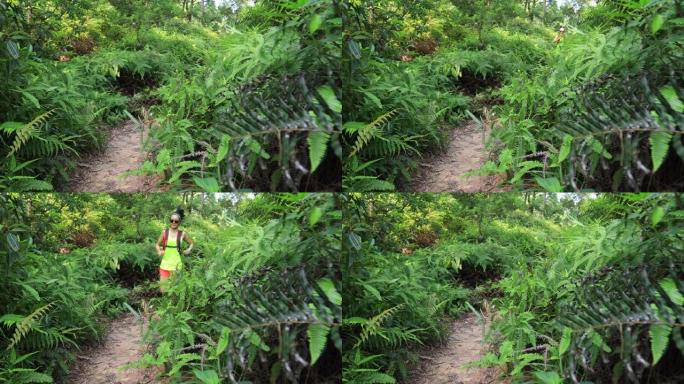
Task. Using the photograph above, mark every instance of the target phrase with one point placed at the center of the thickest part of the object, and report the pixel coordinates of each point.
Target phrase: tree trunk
(531, 10)
(192, 3)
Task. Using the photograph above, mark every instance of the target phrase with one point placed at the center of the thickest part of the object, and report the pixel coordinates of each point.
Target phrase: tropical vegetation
(575, 288)
(597, 107)
(257, 300)
(237, 95)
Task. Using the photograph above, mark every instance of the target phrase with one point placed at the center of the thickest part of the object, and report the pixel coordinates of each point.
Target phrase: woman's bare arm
(160, 251)
(189, 240)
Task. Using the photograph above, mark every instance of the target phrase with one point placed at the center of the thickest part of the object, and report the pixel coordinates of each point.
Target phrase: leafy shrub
(571, 126)
(50, 304)
(263, 303)
(251, 118)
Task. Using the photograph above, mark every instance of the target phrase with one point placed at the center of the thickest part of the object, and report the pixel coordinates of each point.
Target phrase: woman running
(169, 246)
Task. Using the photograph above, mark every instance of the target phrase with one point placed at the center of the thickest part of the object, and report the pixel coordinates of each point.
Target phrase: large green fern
(24, 132)
(621, 142)
(280, 130)
(24, 324)
(624, 329)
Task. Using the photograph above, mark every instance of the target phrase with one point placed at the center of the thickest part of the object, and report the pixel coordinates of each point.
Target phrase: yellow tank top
(171, 261)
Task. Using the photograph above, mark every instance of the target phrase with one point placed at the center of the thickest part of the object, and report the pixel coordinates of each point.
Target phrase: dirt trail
(445, 173)
(123, 152)
(103, 364)
(445, 365)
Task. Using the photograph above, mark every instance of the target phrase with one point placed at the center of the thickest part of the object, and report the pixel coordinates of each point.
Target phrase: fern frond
(371, 131)
(372, 326)
(27, 324)
(270, 122)
(625, 138)
(28, 131)
(618, 324)
(288, 312)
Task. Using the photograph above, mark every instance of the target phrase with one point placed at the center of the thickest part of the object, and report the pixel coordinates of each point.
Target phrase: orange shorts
(163, 273)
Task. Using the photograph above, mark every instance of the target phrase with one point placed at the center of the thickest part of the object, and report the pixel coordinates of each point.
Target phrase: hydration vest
(179, 238)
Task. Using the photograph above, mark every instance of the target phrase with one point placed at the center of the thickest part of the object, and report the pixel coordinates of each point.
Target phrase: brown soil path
(446, 365)
(104, 364)
(465, 152)
(104, 171)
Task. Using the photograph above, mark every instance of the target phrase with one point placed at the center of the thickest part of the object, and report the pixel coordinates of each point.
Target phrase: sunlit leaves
(657, 215)
(318, 145)
(660, 336)
(657, 23)
(208, 184)
(670, 94)
(330, 98)
(565, 340)
(330, 291)
(318, 336)
(660, 145)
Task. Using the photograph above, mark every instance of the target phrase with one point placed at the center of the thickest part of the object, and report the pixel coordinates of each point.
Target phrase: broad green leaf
(354, 240)
(11, 319)
(354, 48)
(207, 377)
(330, 98)
(657, 215)
(565, 340)
(379, 378)
(208, 184)
(598, 341)
(565, 148)
(11, 126)
(550, 184)
(31, 376)
(657, 23)
(31, 291)
(12, 242)
(255, 147)
(524, 168)
(12, 48)
(548, 377)
(318, 335)
(315, 23)
(256, 341)
(328, 287)
(598, 148)
(318, 144)
(524, 360)
(315, 215)
(353, 126)
(31, 98)
(373, 291)
(660, 145)
(223, 149)
(670, 95)
(660, 336)
(505, 350)
(223, 341)
(670, 288)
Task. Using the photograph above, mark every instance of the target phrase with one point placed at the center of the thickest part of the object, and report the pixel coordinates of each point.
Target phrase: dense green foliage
(242, 97)
(579, 288)
(257, 300)
(601, 110)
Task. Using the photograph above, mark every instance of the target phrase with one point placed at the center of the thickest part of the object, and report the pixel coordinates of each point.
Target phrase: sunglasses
(175, 221)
